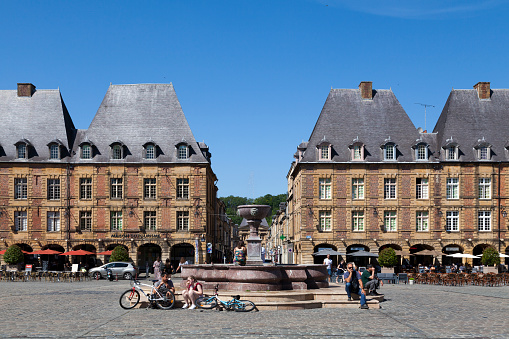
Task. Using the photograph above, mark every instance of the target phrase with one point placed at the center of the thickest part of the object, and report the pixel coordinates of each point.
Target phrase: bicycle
(235, 304)
(130, 298)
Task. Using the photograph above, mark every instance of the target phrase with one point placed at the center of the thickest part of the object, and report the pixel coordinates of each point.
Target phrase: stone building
(136, 177)
(368, 179)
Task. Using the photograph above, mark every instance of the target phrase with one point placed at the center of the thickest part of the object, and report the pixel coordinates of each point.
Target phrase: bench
(388, 277)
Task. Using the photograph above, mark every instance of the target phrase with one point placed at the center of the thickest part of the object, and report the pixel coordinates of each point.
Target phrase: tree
(232, 202)
(387, 257)
(13, 255)
(119, 254)
(490, 257)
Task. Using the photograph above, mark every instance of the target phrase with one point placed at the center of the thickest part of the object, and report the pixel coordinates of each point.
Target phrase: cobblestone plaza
(91, 309)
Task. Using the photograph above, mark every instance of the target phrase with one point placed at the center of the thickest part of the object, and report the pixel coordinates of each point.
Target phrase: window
(116, 220)
(22, 151)
(484, 221)
(20, 188)
(421, 188)
(325, 188)
(182, 188)
(54, 151)
(86, 151)
(116, 152)
(183, 220)
(150, 188)
(451, 153)
(149, 218)
(452, 221)
(53, 189)
(325, 221)
(357, 152)
(358, 221)
(390, 221)
(357, 188)
(452, 188)
(390, 188)
(324, 152)
(116, 188)
(484, 153)
(484, 188)
(182, 152)
(390, 152)
(422, 221)
(85, 188)
(85, 220)
(20, 220)
(53, 222)
(421, 152)
(150, 152)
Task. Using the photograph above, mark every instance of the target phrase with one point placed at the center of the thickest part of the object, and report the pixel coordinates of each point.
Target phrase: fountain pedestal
(254, 244)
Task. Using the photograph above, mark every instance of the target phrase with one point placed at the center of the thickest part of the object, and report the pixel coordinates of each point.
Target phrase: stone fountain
(256, 276)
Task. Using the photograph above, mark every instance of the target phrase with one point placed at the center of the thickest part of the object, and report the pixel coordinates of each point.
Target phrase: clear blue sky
(252, 76)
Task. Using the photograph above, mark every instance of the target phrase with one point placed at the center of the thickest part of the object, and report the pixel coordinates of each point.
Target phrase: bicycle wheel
(167, 303)
(243, 306)
(206, 302)
(129, 299)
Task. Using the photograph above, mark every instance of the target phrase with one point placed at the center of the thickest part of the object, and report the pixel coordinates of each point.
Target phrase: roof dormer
(324, 150)
(357, 149)
(55, 148)
(451, 148)
(389, 149)
(482, 149)
(117, 150)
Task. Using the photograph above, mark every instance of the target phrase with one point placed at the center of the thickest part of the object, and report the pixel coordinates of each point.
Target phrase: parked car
(125, 270)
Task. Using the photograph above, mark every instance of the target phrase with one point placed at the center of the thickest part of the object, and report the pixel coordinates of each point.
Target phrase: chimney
(366, 88)
(25, 90)
(483, 90)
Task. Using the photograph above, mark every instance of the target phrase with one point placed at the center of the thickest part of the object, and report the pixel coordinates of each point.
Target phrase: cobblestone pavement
(91, 309)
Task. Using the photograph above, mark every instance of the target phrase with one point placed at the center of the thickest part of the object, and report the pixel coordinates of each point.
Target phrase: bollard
(116, 277)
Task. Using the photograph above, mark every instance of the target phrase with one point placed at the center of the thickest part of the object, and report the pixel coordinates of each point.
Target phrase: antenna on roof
(425, 106)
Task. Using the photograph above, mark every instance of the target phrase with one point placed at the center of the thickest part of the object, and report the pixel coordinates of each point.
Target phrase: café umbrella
(105, 252)
(46, 251)
(78, 252)
(363, 254)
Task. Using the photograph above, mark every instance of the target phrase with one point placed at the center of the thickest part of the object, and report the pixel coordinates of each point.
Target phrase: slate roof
(468, 120)
(345, 116)
(137, 114)
(39, 119)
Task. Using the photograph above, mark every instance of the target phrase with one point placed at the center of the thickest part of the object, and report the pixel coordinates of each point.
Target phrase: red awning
(47, 251)
(105, 252)
(78, 252)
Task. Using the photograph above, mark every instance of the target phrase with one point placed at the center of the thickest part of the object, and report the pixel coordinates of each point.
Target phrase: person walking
(157, 269)
(328, 261)
(353, 283)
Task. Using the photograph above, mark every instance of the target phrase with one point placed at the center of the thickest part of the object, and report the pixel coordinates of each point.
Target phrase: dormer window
(22, 151)
(54, 151)
(150, 152)
(421, 150)
(357, 150)
(116, 152)
(183, 152)
(324, 150)
(389, 150)
(451, 150)
(483, 149)
(86, 151)
(484, 153)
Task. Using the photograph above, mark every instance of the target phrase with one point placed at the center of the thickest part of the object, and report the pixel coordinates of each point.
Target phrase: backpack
(354, 282)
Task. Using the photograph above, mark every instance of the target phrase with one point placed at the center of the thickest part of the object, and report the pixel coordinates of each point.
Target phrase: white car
(119, 269)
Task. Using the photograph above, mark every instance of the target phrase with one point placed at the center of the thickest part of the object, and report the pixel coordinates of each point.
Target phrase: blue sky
(252, 76)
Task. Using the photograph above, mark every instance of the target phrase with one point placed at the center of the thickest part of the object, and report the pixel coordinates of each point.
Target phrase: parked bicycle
(234, 304)
(130, 298)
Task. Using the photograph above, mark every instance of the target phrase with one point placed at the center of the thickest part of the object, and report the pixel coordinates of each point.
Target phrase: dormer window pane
(151, 154)
(324, 152)
(483, 153)
(389, 153)
(117, 152)
(22, 151)
(53, 152)
(422, 152)
(86, 152)
(182, 154)
(357, 152)
(451, 153)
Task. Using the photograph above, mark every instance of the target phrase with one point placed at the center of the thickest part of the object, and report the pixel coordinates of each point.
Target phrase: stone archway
(425, 260)
(319, 259)
(451, 249)
(28, 258)
(182, 250)
(147, 254)
(478, 250)
(88, 261)
(359, 261)
(54, 262)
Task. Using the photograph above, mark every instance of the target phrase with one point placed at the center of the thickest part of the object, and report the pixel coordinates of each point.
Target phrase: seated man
(165, 286)
(353, 283)
(370, 280)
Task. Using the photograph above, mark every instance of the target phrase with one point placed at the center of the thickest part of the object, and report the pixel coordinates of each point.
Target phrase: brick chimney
(366, 88)
(25, 90)
(483, 90)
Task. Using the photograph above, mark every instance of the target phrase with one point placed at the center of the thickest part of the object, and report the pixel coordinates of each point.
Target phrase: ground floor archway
(425, 260)
(318, 259)
(87, 261)
(359, 261)
(146, 255)
(182, 250)
(451, 249)
(478, 250)
(53, 262)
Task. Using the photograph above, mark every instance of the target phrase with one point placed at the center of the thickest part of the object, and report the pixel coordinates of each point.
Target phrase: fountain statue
(254, 215)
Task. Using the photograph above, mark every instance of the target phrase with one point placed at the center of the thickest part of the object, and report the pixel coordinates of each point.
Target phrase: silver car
(119, 269)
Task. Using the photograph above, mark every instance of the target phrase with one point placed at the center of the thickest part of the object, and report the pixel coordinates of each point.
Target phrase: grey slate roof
(346, 116)
(468, 120)
(39, 119)
(135, 115)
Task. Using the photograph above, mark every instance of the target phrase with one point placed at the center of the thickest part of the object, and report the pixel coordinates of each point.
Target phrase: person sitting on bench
(370, 280)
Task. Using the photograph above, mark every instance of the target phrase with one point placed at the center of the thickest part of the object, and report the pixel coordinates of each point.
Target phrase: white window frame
(86, 221)
(325, 221)
(358, 152)
(451, 153)
(53, 187)
(116, 221)
(183, 188)
(116, 152)
(358, 221)
(390, 188)
(483, 153)
(452, 221)
(85, 188)
(22, 151)
(54, 152)
(390, 152)
(183, 220)
(86, 151)
(53, 221)
(20, 188)
(116, 189)
(390, 221)
(452, 189)
(325, 188)
(358, 188)
(325, 151)
(183, 152)
(150, 188)
(150, 152)
(21, 221)
(484, 221)
(421, 153)
(150, 220)
(422, 188)
(422, 221)
(485, 188)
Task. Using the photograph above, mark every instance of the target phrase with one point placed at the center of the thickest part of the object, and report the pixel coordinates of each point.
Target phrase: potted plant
(13, 256)
(387, 259)
(490, 257)
(410, 281)
(119, 253)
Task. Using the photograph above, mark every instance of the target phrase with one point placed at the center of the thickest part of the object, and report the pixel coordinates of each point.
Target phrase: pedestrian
(328, 261)
(240, 254)
(370, 281)
(168, 267)
(353, 283)
(193, 290)
(263, 254)
(182, 262)
(157, 269)
(147, 269)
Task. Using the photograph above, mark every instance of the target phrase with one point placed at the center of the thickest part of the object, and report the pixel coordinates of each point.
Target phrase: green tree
(232, 202)
(119, 254)
(490, 257)
(387, 257)
(13, 255)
